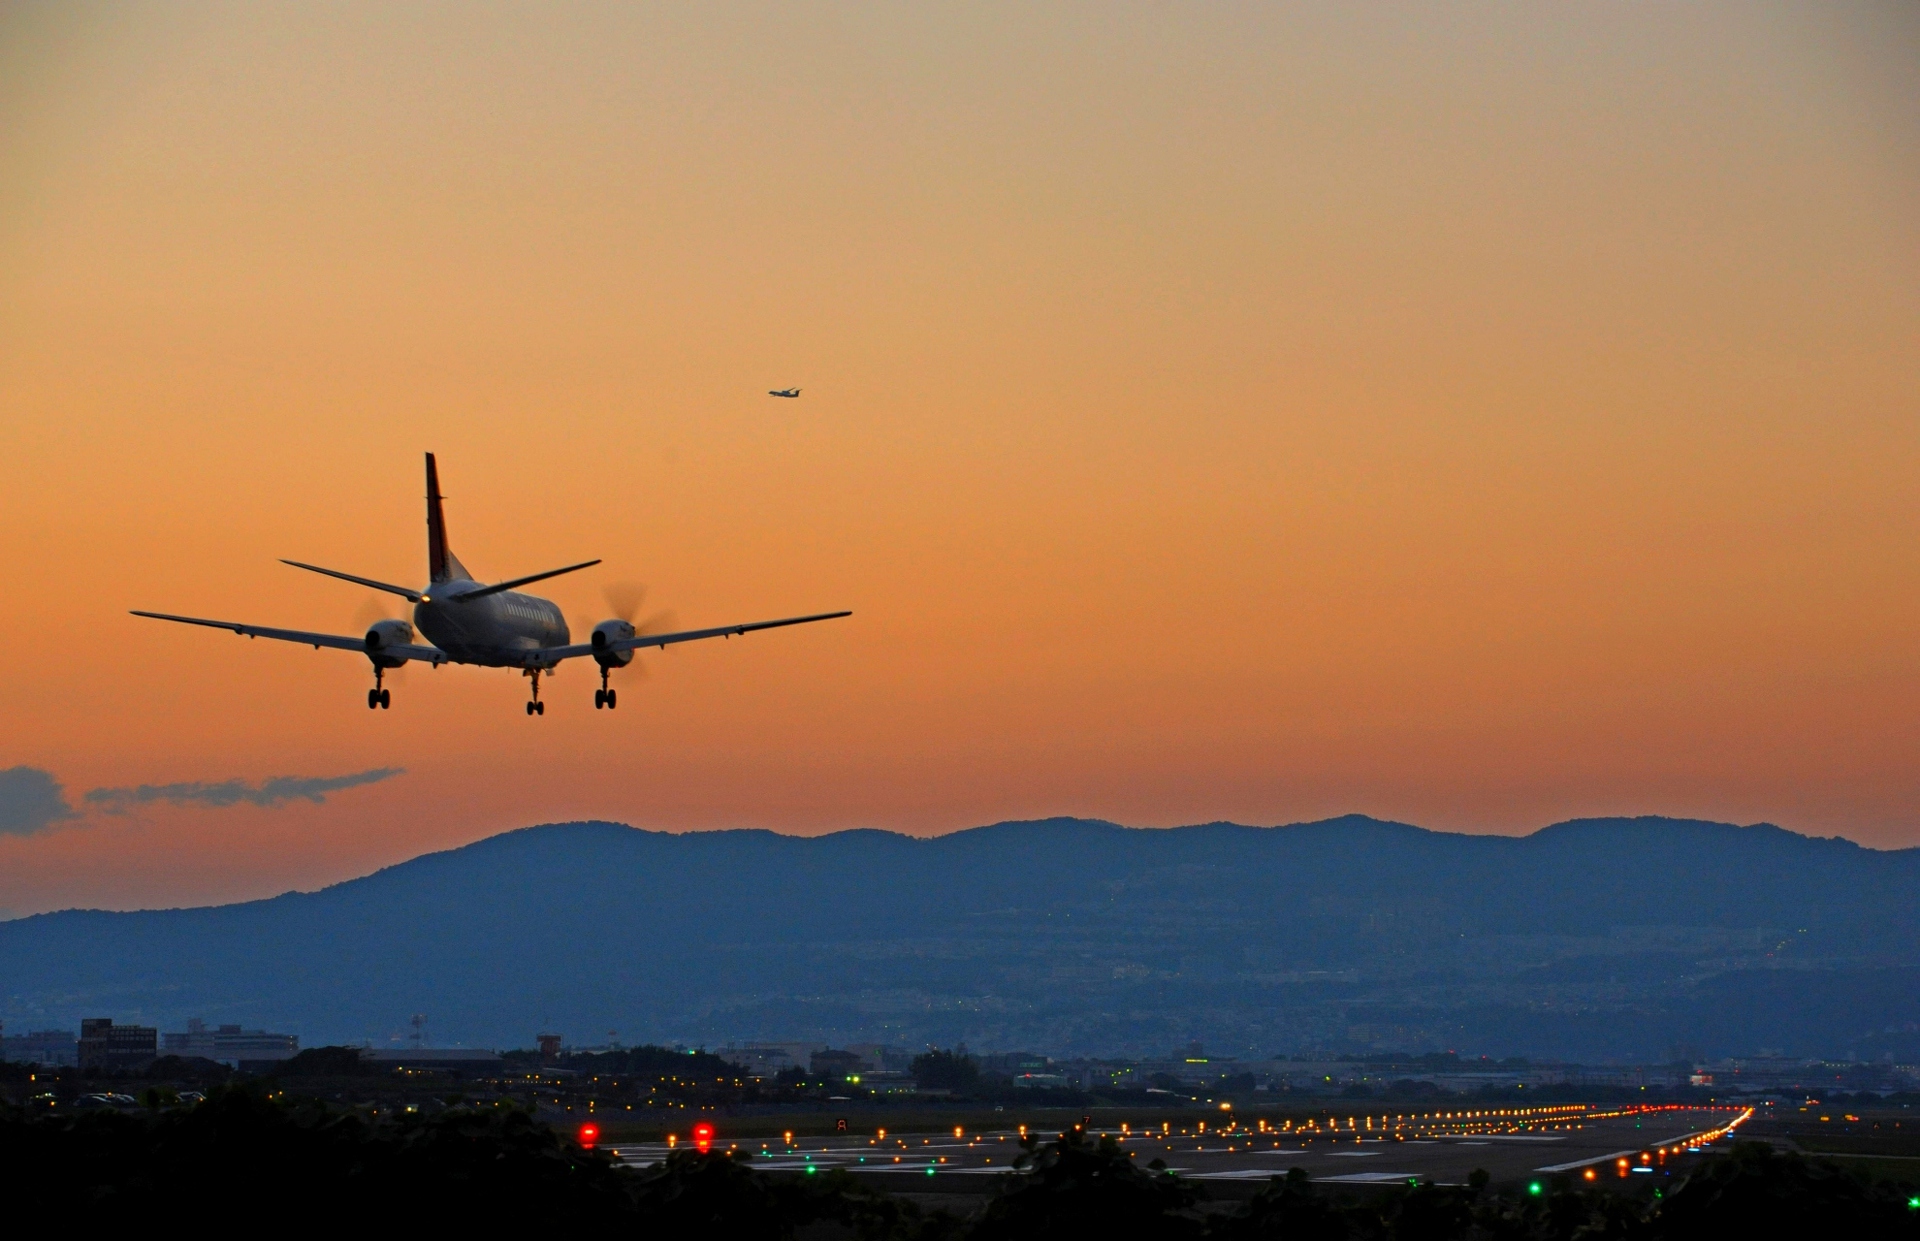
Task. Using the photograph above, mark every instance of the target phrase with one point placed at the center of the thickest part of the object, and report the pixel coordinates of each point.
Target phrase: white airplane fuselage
(494, 631)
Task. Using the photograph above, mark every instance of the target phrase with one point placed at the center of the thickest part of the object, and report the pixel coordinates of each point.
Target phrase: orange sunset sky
(1472, 415)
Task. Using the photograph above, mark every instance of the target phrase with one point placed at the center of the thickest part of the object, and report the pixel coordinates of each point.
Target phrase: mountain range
(1599, 939)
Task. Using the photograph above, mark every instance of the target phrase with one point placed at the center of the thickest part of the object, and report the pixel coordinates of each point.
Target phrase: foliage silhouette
(1074, 1187)
(325, 1062)
(939, 1069)
(243, 1157)
(1758, 1191)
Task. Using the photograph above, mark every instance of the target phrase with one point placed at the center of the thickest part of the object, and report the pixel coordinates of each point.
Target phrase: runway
(1512, 1146)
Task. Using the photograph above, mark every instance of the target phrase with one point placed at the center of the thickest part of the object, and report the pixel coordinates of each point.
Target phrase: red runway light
(703, 1137)
(589, 1134)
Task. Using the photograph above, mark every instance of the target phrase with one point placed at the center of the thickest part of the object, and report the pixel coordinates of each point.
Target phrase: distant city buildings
(230, 1044)
(48, 1048)
(106, 1046)
(875, 1063)
(874, 1070)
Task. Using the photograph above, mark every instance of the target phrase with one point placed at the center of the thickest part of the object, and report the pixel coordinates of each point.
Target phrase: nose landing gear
(535, 707)
(377, 697)
(604, 697)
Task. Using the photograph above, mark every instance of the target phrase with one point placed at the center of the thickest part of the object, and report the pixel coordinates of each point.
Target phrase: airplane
(787, 392)
(492, 626)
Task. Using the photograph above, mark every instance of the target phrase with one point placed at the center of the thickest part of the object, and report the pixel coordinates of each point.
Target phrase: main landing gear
(377, 697)
(604, 697)
(536, 707)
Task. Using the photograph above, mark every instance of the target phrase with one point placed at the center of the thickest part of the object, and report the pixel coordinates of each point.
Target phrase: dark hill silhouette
(1592, 938)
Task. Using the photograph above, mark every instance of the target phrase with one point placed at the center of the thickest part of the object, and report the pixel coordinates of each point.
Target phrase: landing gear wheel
(599, 699)
(529, 708)
(539, 708)
(373, 699)
(612, 701)
(386, 699)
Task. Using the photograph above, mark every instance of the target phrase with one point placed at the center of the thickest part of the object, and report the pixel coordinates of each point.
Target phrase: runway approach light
(703, 1137)
(588, 1134)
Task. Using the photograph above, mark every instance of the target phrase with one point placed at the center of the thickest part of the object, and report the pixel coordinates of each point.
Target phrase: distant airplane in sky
(789, 392)
(492, 626)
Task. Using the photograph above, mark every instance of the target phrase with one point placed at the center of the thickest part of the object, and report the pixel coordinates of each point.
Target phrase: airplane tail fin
(442, 564)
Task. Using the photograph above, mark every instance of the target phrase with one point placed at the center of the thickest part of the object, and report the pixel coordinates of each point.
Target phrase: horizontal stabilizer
(497, 587)
(405, 592)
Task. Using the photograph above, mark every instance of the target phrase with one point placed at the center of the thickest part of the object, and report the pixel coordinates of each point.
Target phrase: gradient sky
(1473, 415)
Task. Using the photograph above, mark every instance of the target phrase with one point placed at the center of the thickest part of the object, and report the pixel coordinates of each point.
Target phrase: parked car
(105, 1099)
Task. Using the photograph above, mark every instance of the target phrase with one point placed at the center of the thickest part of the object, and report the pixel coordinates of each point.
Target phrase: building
(883, 1057)
(1042, 1081)
(47, 1048)
(104, 1045)
(765, 1061)
(832, 1065)
(230, 1044)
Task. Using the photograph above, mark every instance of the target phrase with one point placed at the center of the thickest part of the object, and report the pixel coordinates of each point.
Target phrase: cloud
(234, 792)
(31, 801)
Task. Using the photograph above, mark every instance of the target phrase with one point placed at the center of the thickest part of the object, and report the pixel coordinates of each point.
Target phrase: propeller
(375, 608)
(625, 600)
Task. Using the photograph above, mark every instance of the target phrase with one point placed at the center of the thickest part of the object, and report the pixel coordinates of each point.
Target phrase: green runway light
(929, 1171)
(1913, 1204)
(1534, 1187)
(811, 1169)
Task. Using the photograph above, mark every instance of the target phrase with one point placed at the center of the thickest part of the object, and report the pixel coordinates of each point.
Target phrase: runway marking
(1581, 1163)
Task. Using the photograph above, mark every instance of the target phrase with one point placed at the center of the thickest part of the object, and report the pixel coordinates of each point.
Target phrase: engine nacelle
(388, 633)
(605, 634)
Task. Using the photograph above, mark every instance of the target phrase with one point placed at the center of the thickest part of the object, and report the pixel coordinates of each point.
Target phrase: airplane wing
(554, 654)
(425, 654)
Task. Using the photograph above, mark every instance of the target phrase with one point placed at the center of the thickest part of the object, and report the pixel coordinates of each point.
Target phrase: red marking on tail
(439, 561)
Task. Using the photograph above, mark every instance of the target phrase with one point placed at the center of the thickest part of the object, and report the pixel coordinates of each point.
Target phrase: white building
(229, 1044)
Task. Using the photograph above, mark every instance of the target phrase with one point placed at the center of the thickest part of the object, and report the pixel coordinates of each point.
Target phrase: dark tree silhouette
(939, 1069)
(1078, 1188)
